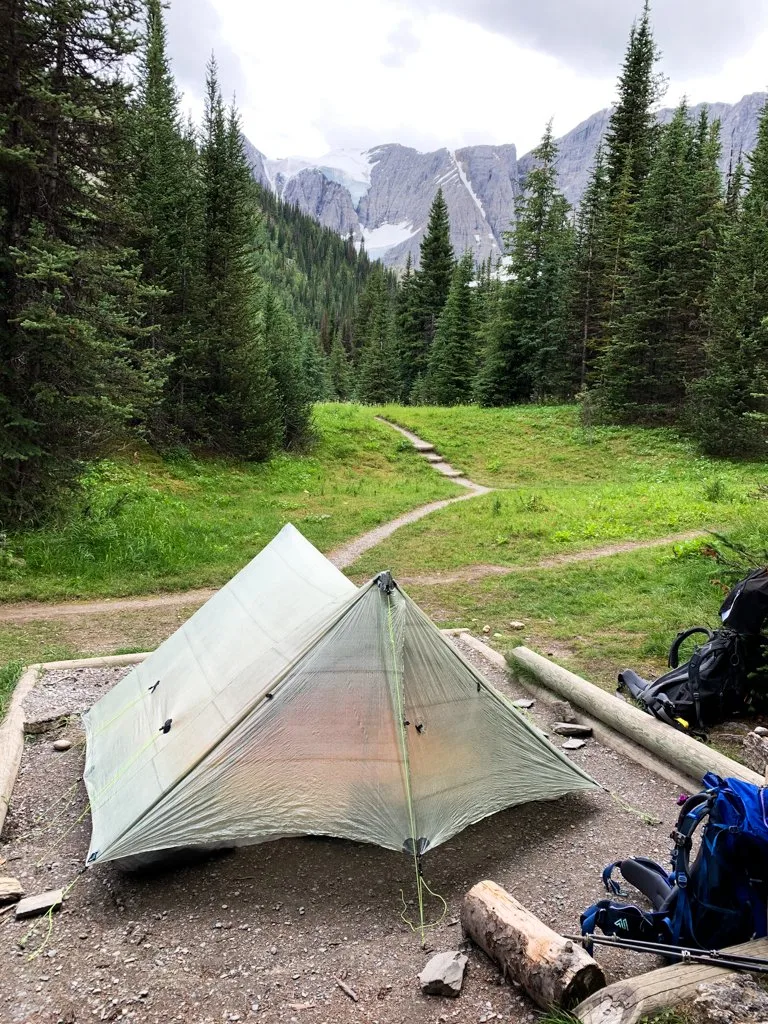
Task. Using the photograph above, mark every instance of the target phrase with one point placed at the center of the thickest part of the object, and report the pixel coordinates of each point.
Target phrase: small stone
(486, 629)
(563, 711)
(273, 950)
(524, 703)
(760, 730)
(515, 624)
(10, 889)
(571, 729)
(62, 745)
(574, 744)
(444, 974)
(498, 636)
(40, 904)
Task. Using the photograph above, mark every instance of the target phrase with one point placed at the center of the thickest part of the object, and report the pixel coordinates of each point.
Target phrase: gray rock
(756, 752)
(571, 729)
(760, 730)
(40, 904)
(62, 745)
(10, 889)
(523, 703)
(516, 624)
(574, 744)
(735, 1000)
(326, 201)
(443, 974)
(563, 711)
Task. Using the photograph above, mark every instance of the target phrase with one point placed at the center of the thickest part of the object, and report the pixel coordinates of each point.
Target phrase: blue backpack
(719, 899)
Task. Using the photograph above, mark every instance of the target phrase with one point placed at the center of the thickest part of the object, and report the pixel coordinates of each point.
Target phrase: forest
(152, 292)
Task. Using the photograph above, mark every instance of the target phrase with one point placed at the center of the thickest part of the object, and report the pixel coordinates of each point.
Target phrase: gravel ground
(262, 934)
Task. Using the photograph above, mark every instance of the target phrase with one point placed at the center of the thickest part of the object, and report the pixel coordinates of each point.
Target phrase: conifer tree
(629, 144)
(433, 280)
(453, 355)
(234, 407)
(527, 352)
(410, 335)
(315, 369)
(728, 405)
(165, 186)
(378, 378)
(658, 341)
(284, 354)
(589, 270)
(74, 363)
(340, 372)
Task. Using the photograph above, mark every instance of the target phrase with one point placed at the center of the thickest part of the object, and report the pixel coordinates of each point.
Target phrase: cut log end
(551, 969)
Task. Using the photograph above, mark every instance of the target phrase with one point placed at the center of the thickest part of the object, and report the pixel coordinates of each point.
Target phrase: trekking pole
(714, 957)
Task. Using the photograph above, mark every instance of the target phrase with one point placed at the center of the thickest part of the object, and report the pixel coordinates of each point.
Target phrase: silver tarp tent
(293, 703)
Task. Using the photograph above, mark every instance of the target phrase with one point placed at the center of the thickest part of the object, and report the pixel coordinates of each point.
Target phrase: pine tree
(527, 354)
(165, 187)
(453, 356)
(658, 341)
(378, 378)
(74, 361)
(728, 405)
(433, 281)
(315, 370)
(234, 405)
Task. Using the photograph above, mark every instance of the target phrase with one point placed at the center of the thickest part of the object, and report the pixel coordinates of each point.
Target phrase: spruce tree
(340, 372)
(433, 281)
(658, 340)
(453, 355)
(527, 354)
(589, 270)
(629, 144)
(284, 354)
(378, 378)
(74, 361)
(728, 405)
(234, 403)
(165, 187)
(410, 335)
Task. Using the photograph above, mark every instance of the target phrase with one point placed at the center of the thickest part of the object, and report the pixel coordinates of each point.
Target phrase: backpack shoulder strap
(674, 651)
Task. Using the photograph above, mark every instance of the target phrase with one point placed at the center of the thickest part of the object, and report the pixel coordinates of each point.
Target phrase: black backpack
(722, 678)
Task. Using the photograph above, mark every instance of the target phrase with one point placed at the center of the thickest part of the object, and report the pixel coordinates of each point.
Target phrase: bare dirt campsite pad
(265, 932)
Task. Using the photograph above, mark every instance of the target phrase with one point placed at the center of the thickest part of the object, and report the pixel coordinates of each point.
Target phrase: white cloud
(311, 77)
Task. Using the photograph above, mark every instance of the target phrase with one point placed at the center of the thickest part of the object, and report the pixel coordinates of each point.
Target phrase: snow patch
(386, 236)
(348, 167)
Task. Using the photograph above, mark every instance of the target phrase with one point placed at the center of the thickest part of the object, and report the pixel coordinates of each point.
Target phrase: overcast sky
(316, 75)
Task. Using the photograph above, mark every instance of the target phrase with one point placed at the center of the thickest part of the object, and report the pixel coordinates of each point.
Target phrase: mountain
(738, 132)
(382, 196)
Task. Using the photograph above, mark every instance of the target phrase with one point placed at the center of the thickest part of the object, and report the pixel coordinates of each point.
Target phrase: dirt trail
(345, 555)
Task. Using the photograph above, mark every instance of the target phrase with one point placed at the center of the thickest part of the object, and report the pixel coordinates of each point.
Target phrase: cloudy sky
(315, 75)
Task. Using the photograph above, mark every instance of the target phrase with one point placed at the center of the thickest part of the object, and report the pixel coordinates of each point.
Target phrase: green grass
(145, 524)
(593, 617)
(9, 676)
(562, 489)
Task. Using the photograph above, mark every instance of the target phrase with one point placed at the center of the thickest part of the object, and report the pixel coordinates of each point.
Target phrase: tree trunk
(551, 969)
(628, 1001)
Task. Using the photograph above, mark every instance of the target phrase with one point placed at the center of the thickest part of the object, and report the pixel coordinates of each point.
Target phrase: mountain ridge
(382, 195)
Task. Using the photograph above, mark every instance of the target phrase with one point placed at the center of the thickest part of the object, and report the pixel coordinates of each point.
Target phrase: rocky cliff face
(738, 132)
(383, 195)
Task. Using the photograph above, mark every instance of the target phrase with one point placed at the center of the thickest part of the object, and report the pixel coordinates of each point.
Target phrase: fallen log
(688, 755)
(628, 1001)
(553, 971)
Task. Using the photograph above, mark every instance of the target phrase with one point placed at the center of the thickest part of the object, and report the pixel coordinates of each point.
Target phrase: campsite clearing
(273, 926)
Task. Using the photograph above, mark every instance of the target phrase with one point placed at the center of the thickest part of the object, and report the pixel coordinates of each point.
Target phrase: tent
(294, 703)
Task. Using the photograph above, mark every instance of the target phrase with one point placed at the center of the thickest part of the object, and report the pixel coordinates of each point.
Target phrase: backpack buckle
(678, 838)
